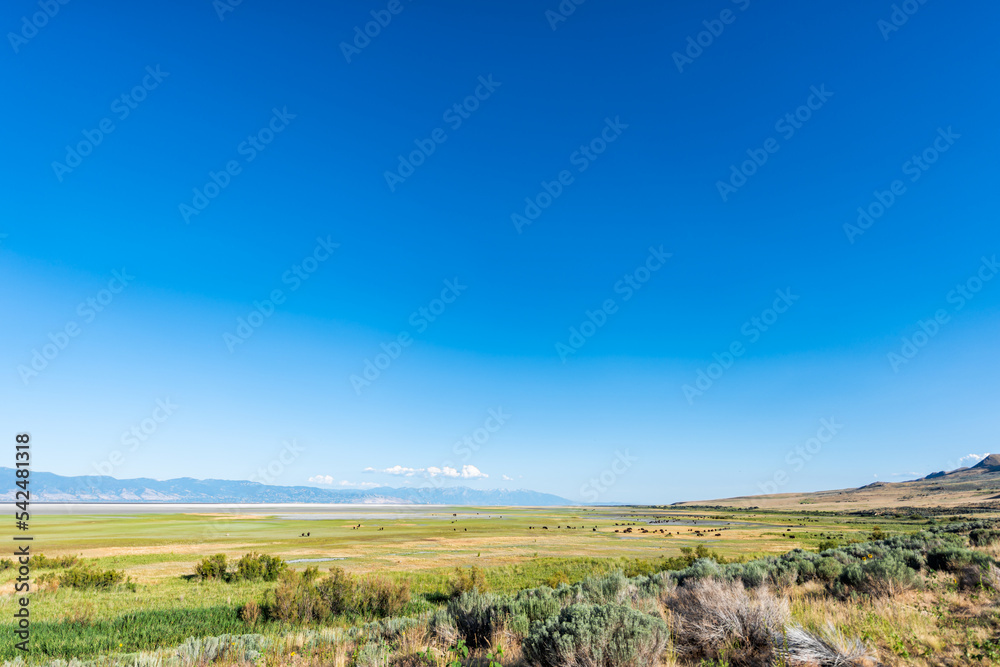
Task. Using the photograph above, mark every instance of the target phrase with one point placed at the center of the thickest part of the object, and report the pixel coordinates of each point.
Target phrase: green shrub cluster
(41, 562)
(467, 580)
(88, 578)
(305, 597)
(610, 635)
(250, 567)
(983, 537)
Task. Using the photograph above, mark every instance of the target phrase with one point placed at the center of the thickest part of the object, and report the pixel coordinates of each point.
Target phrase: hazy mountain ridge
(49, 487)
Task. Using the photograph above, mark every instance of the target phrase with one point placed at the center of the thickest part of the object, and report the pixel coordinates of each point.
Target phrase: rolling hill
(972, 489)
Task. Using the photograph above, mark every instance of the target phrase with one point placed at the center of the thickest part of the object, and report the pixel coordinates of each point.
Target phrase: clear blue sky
(641, 138)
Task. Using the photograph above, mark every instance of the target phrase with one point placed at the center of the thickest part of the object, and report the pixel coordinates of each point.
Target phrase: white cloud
(358, 485)
(507, 479)
(467, 471)
(472, 472)
(329, 480)
(400, 470)
(321, 479)
(971, 459)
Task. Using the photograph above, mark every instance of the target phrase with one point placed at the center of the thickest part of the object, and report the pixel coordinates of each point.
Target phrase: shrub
(212, 567)
(982, 537)
(826, 545)
(41, 561)
(372, 654)
(949, 558)
(754, 574)
(250, 567)
(610, 588)
(257, 567)
(807, 571)
(305, 597)
(338, 591)
(86, 578)
(828, 569)
(477, 617)
(6, 564)
(295, 599)
(878, 577)
(441, 626)
(466, 580)
(605, 635)
(250, 612)
(830, 648)
(380, 596)
(556, 579)
(979, 576)
(914, 559)
(716, 620)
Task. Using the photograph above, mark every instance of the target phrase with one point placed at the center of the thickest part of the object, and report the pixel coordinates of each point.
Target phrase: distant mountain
(49, 487)
(970, 489)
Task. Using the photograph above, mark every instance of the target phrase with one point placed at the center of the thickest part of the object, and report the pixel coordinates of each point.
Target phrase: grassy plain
(518, 548)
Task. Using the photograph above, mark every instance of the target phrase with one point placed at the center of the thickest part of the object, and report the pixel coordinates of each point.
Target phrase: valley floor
(933, 619)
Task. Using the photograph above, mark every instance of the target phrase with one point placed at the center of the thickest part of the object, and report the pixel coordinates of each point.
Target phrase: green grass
(157, 551)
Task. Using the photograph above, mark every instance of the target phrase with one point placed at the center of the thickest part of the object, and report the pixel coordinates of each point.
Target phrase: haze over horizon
(494, 248)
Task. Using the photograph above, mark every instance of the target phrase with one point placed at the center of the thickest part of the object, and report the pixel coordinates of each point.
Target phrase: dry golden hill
(975, 489)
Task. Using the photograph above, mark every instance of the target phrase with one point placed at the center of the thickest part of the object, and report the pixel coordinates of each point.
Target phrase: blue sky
(559, 198)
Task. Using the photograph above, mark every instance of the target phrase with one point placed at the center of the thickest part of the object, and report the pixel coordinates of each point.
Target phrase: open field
(517, 549)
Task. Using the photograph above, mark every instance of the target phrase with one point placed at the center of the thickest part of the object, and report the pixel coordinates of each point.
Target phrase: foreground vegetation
(923, 595)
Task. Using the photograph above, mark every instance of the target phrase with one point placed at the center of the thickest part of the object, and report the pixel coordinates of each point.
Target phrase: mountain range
(49, 487)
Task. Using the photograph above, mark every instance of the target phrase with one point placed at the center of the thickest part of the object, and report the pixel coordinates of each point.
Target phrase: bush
(258, 567)
(250, 567)
(6, 564)
(80, 577)
(250, 613)
(212, 567)
(754, 574)
(468, 580)
(41, 561)
(878, 577)
(295, 599)
(828, 569)
(716, 620)
(949, 558)
(979, 576)
(478, 616)
(982, 537)
(605, 635)
(557, 579)
(305, 597)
